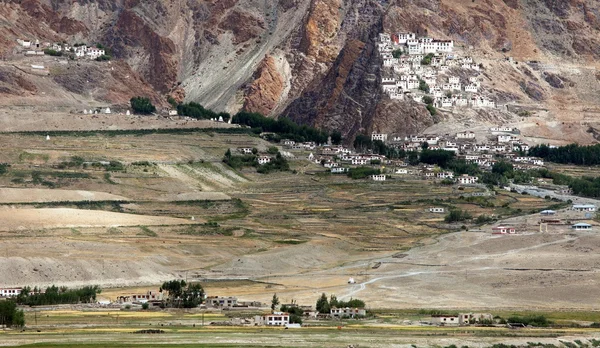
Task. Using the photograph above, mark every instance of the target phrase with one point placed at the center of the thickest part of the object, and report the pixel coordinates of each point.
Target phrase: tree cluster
(277, 164)
(362, 172)
(364, 143)
(51, 52)
(55, 295)
(11, 316)
(569, 154)
(324, 304)
(182, 295)
(142, 105)
(457, 215)
(197, 111)
(285, 127)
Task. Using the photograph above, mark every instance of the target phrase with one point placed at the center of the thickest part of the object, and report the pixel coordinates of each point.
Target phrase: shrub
(52, 52)
(456, 215)
(103, 57)
(397, 53)
(142, 105)
(427, 59)
(432, 110)
(145, 305)
(362, 172)
(423, 86)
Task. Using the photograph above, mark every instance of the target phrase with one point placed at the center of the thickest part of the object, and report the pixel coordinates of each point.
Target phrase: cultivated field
(298, 233)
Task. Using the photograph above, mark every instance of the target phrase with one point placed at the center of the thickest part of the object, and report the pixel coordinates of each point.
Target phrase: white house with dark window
(274, 319)
(339, 170)
(584, 207)
(582, 226)
(378, 177)
(467, 179)
(10, 292)
(437, 210)
(347, 312)
(264, 160)
(379, 136)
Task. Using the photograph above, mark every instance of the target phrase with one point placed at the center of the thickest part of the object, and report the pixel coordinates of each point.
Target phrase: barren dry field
(297, 233)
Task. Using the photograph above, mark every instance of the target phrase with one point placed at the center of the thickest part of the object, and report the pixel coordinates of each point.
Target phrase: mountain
(315, 60)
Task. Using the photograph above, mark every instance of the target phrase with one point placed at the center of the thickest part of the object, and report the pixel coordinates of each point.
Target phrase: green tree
(322, 305)
(145, 305)
(456, 215)
(432, 110)
(336, 137)
(142, 105)
(397, 53)
(427, 100)
(423, 86)
(274, 301)
(503, 168)
(10, 315)
(427, 59)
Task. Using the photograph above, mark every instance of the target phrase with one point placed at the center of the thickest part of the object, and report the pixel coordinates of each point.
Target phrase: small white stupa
(107, 111)
(47, 137)
(193, 218)
(128, 113)
(85, 111)
(351, 281)
(229, 121)
(220, 118)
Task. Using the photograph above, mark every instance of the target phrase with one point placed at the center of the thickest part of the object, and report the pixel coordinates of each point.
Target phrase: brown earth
(214, 53)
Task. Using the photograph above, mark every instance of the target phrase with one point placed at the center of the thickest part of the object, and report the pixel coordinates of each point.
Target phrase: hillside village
(75, 51)
(422, 68)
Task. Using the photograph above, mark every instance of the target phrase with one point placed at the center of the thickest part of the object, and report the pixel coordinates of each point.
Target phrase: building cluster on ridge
(421, 67)
(78, 51)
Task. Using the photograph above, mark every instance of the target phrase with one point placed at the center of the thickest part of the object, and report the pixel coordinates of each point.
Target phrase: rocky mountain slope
(314, 60)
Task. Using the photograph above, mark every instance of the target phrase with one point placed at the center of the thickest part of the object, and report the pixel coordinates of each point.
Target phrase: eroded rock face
(213, 51)
(244, 26)
(321, 29)
(263, 94)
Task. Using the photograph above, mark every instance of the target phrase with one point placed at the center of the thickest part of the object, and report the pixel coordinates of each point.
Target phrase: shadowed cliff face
(311, 60)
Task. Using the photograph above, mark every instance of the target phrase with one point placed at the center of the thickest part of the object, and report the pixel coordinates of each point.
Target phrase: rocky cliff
(314, 60)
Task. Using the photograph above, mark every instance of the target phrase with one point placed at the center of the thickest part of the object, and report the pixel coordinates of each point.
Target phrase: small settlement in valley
(502, 143)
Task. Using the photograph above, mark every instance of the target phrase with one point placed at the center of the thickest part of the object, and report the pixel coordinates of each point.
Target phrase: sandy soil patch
(27, 195)
(23, 219)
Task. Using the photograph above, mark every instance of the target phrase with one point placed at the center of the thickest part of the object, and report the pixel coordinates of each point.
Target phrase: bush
(362, 172)
(427, 59)
(432, 110)
(423, 86)
(456, 215)
(427, 100)
(4, 168)
(103, 57)
(142, 105)
(397, 53)
(145, 305)
(52, 52)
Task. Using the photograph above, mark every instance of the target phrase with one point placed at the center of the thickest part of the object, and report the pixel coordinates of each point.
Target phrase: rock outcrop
(314, 60)
(263, 94)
